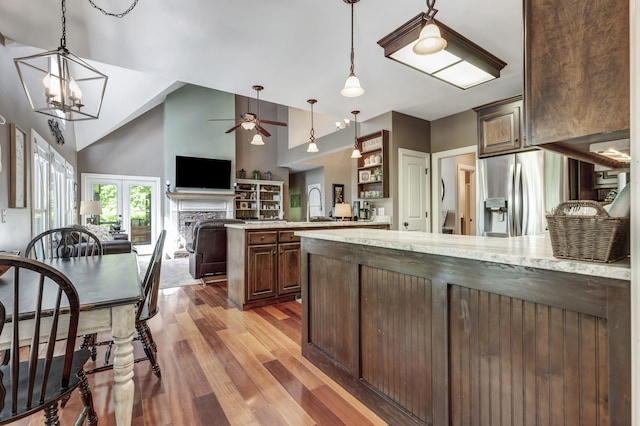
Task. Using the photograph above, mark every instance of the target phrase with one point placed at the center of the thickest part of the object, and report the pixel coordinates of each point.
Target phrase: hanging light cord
(312, 138)
(353, 67)
(115, 15)
(63, 40)
(431, 10)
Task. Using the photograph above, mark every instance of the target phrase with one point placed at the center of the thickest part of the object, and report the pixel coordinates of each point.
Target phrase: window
(53, 187)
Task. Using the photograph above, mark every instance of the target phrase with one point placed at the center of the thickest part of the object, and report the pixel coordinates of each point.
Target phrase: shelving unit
(373, 168)
(258, 199)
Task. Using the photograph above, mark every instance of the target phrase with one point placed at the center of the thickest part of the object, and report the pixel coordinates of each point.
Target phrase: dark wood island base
(436, 340)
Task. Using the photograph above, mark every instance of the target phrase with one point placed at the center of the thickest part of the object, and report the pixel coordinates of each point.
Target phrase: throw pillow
(100, 232)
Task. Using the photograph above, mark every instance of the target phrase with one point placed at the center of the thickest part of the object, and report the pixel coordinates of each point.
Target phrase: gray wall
(455, 131)
(135, 149)
(188, 131)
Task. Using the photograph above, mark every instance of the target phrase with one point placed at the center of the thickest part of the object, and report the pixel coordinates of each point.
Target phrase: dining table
(108, 288)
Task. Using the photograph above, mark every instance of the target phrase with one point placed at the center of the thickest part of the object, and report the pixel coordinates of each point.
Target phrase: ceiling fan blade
(233, 128)
(263, 131)
(221, 119)
(275, 123)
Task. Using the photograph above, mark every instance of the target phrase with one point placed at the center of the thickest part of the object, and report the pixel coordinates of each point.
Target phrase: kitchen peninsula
(450, 329)
(263, 259)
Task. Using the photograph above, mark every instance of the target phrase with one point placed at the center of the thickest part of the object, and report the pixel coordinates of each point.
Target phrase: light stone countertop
(293, 225)
(530, 251)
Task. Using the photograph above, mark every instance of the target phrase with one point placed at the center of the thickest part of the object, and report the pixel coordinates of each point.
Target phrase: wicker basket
(598, 238)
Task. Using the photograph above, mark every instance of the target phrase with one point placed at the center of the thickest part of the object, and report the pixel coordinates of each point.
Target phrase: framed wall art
(18, 181)
(338, 193)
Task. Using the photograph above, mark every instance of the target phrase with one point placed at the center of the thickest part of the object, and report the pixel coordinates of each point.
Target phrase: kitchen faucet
(309, 202)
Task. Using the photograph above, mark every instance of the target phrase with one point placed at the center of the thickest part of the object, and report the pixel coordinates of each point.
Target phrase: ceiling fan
(250, 120)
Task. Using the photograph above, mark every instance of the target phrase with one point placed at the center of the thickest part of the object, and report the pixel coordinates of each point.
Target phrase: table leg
(123, 328)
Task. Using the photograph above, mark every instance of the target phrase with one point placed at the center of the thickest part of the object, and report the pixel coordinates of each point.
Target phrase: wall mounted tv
(202, 173)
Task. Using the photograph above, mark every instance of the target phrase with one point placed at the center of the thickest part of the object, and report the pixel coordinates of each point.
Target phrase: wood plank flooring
(221, 366)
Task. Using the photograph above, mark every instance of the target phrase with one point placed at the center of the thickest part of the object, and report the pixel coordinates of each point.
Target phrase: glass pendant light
(352, 86)
(430, 40)
(356, 152)
(257, 138)
(312, 139)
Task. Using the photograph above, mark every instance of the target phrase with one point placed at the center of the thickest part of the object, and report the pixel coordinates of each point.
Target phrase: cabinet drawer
(263, 237)
(287, 236)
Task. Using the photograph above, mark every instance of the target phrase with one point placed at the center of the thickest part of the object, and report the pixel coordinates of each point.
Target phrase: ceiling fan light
(249, 125)
(356, 153)
(352, 87)
(257, 139)
(312, 147)
(430, 41)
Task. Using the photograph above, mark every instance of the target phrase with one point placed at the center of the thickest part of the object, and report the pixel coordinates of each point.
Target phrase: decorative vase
(242, 174)
(256, 175)
(267, 176)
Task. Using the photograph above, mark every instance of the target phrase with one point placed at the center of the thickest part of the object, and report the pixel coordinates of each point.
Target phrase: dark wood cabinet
(576, 88)
(289, 268)
(262, 271)
(499, 127)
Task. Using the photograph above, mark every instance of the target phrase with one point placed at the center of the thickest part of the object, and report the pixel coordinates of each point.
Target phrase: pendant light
(356, 152)
(430, 41)
(312, 139)
(257, 138)
(352, 86)
(59, 84)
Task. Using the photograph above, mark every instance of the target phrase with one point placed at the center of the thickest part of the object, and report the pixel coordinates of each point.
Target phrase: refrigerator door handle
(510, 209)
(517, 198)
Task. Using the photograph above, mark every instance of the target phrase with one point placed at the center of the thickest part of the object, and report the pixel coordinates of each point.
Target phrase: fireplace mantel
(198, 195)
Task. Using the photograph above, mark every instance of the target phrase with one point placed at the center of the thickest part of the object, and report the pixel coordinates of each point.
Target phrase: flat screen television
(202, 173)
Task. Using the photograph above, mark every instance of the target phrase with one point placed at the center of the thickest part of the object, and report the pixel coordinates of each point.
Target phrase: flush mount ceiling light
(356, 152)
(312, 139)
(460, 62)
(352, 86)
(59, 84)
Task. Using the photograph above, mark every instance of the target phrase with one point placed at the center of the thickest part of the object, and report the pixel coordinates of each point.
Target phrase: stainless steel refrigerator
(515, 191)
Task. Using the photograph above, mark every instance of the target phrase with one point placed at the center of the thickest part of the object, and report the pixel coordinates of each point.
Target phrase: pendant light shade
(257, 139)
(59, 84)
(312, 139)
(356, 152)
(430, 41)
(352, 86)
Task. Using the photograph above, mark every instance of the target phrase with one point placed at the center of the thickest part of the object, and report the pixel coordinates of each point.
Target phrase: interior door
(413, 190)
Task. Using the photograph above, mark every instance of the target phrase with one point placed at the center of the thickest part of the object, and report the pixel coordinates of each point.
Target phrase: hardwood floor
(221, 366)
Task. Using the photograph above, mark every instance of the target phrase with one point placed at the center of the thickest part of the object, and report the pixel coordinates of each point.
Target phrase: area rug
(173, 273)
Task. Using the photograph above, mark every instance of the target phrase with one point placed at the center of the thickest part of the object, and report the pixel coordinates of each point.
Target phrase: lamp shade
(352, 87)
(430, 41)
(90, 208)
(257, 139)
(312, 147)
(342, 210)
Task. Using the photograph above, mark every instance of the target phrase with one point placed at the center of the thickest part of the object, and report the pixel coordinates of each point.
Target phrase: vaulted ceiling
(297, 49)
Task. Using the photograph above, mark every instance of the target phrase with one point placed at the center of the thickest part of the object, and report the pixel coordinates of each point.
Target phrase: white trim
(634, 45)
(435, 180)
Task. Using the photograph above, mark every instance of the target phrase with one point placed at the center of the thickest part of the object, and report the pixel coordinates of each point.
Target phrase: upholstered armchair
(208, 251)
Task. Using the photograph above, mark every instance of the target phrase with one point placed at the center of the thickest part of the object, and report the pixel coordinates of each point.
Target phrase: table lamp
(342, 210)
(91, 208)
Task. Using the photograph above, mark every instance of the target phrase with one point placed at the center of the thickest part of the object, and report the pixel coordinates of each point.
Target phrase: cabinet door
(499, 130)
(289, 268)
(261, 272)
(576, 71)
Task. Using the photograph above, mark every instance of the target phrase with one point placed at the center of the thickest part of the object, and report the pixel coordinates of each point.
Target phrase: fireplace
(187, 208)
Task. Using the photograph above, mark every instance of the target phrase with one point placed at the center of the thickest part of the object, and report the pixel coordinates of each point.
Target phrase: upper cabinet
(499, 127)
(576, 73)
(373, 166)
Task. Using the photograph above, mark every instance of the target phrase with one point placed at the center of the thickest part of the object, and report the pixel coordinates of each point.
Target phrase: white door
(131, 201)
(413, 190)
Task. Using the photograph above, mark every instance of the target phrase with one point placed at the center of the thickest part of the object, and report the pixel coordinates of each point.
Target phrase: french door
(130, 204)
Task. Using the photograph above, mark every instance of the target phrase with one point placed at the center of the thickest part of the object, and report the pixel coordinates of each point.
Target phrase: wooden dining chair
(146, 309)
(44, 367)
(67, 242)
